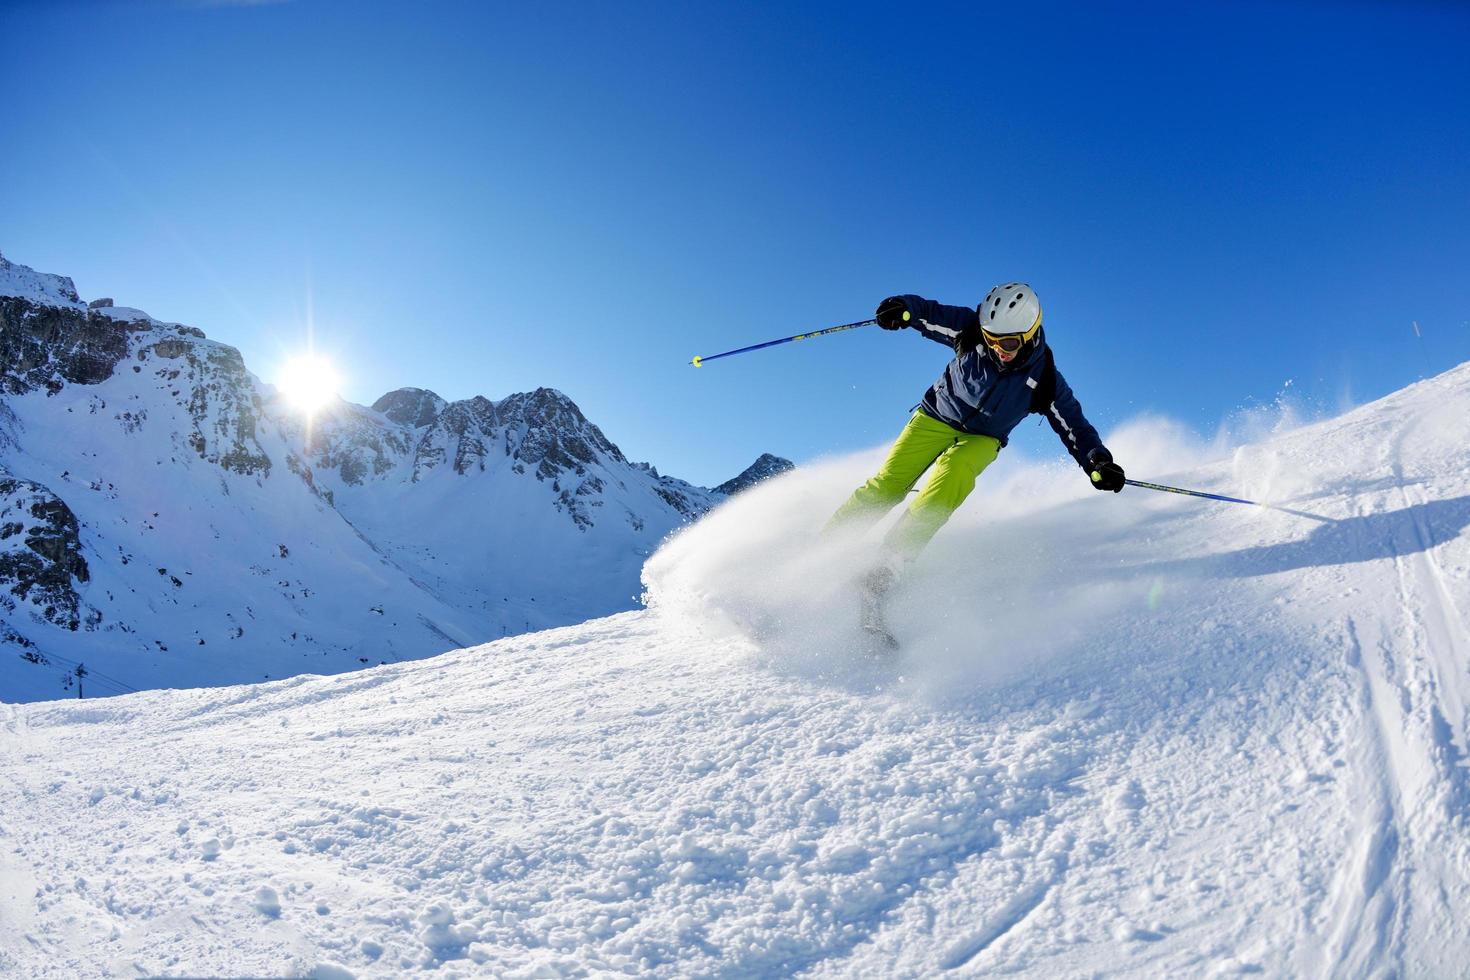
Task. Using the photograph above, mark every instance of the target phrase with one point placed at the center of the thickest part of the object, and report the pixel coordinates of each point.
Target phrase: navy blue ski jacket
(975, 395)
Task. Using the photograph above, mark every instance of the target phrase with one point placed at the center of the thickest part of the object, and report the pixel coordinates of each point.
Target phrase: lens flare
(308, 382)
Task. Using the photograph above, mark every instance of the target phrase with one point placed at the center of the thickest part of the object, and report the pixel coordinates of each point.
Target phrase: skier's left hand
(1106, 474)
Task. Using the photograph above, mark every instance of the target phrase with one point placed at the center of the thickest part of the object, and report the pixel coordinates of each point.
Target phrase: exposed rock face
(547, 431)
(224, 407)
(413, 407)
(358, 445)
(210, 381)
(763, 468)
(7, 426)
(542, 432)
(46, 346)
(40, 553)
(687, 499)
(465, 433)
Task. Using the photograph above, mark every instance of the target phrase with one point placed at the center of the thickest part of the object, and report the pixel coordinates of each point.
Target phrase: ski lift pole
(699, 361)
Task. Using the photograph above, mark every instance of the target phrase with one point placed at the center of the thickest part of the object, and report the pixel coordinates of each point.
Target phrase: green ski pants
(957, 457)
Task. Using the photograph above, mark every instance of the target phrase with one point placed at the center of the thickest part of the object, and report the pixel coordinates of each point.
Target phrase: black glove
(967, 339)
(892, 314)
(1106, 474)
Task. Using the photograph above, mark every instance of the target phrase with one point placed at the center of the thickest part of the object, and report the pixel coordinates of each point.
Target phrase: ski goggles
(1009, 343)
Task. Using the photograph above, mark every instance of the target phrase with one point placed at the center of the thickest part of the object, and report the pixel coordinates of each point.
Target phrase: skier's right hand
(892, 313)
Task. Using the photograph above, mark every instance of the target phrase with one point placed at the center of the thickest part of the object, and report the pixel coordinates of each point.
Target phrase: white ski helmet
(1010, 308)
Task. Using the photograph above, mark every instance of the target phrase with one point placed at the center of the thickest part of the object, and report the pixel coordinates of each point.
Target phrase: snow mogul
(1002, 371)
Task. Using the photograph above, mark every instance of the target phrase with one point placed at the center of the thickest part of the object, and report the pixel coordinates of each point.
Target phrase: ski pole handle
(699, 361)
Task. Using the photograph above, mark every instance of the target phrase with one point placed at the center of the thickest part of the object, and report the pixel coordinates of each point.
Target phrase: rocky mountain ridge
(762, 469)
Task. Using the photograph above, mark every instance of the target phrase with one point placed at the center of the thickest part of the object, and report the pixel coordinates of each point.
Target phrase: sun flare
(308, 382)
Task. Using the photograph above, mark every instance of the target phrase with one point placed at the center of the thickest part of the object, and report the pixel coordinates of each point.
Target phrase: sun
(308, 382)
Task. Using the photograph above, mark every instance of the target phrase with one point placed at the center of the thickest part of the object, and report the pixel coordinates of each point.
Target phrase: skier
(1002, 370)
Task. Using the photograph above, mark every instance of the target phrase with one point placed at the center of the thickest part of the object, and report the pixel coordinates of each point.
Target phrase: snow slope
(1139, 735)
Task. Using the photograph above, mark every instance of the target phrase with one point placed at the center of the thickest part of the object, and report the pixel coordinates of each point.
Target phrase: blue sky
(1210, 198)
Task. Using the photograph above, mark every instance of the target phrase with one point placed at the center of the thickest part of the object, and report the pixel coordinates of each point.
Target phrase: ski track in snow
(1170, 740)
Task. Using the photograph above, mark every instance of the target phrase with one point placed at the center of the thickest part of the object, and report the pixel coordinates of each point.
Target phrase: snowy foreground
(1138, 735)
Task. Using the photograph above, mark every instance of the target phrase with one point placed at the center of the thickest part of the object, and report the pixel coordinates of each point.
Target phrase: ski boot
(873, 592)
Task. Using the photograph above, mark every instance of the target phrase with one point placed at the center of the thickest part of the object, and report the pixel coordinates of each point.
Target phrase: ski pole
(699, 361)
(1215, 496)
(1192, 493)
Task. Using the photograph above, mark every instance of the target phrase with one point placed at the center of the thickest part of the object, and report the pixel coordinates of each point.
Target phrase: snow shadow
(1345, 541)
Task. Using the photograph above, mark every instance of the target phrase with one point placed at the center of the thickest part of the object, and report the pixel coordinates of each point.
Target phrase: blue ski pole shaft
(1193, 493)
(699, 361)
(1231, 500)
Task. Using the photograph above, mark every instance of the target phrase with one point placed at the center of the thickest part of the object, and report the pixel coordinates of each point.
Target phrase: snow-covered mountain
(167, 520)
(1138, 735)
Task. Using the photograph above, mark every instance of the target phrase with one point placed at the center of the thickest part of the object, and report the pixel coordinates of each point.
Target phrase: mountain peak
(763, 468)
(413, 407)
(556, 433)
(541, 401)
